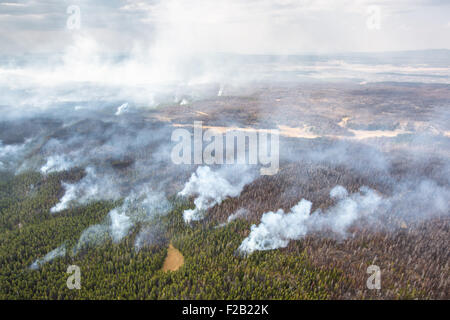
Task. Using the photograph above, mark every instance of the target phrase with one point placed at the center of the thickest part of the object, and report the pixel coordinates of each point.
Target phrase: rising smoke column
(139, 206)
(212, 187)
(58, 252)
(92, 236)
(120, 224)
(240, 213)
(56, 163)
(278, 228)
(122, 109)
(91, 187)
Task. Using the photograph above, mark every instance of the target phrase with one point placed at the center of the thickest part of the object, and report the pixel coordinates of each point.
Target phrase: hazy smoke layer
(278, 228)
(152, 234)
(182, 66)
(212, 187)
(10, 154)
(58, 252)
(418, 200)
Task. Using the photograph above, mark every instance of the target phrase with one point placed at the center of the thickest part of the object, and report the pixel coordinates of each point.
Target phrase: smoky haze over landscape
(353, 98)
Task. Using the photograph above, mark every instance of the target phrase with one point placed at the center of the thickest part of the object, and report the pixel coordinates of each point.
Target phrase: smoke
(101, 142)
(140, 206)
(84, 77)
(212, 187)
(120, 224)
(56, 163)
(419, 200)
(93, 236)
(58, 252)
(185, 57)
(10, 150)
(124, 154)
(152, 234)
(122, 109)
(411, 202)
(90, 188)
(338, 192)
(240, 213)
(358, 156)
(278, 228)
(183, 50)
(117, 157)
(11, 153)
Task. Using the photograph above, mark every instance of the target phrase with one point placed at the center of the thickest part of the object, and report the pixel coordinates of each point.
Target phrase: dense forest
(212, 269)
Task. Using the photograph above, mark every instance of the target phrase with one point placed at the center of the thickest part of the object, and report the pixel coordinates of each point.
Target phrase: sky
(235, 26)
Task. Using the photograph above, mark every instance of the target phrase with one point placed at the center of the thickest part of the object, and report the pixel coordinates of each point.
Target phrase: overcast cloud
(239, 26)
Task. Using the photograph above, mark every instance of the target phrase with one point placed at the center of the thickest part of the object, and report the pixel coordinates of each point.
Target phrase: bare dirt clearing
(174, 259)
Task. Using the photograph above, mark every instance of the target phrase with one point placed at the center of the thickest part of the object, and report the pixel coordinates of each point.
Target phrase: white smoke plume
(91, 187)
(278, 228)
(124, 108)
(139, 207)
(56, 163)
(58, 252)
(212, 187)
(120, 224)
(220, 93)
(240, 213)
(92, 236)
(184, 102)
